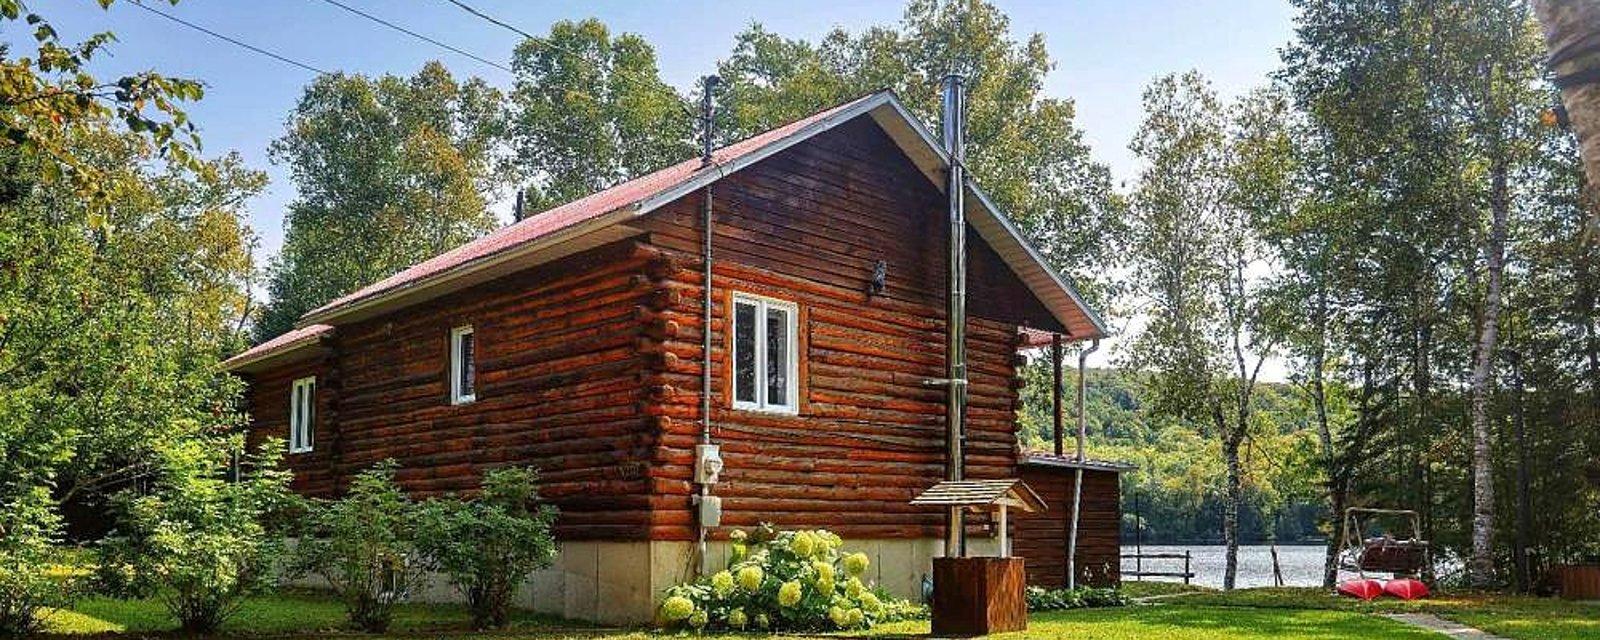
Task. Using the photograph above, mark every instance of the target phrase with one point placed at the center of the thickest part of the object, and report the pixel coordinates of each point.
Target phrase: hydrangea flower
(825, 585)
(738, 536)
(871, 603)
(750, 578)
(854, 618)
(762, 621)
(737, 619)
(824, 570)
(854, 588)
(698, 619)
(789, 594)
(722, 583)
(677, 608)
(803, 544)
(856, 563)
(837, 615)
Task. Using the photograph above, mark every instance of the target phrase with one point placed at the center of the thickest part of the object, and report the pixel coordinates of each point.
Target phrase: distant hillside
(1180, 475)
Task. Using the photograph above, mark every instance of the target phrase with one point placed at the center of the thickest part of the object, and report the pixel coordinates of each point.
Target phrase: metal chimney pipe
(954, 124)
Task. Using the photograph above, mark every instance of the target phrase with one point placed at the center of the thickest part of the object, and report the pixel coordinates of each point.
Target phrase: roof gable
(602, 217)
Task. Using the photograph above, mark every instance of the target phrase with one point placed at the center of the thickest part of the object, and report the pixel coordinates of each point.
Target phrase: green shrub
(1041, 599)
(783, 581)
(31, 584)
(196, 540)
(489, 545)
(364, 545)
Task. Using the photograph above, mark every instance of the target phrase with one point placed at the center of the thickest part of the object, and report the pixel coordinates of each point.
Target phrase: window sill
(456, 402)
(771, 411)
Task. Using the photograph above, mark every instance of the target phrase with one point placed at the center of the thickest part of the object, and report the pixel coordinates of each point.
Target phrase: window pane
(778, 356)
(744, 352)
(468, 370)
(307, 427)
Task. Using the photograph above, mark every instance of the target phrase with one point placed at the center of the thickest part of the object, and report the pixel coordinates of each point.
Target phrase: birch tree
(1209, 172)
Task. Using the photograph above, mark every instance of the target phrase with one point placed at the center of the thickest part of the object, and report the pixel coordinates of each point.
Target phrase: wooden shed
(1043, 537)
(578, 341)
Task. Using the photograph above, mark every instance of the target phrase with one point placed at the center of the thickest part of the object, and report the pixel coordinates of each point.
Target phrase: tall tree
(123, 265)
(1209, 173)
(388, 172)
(589, 110)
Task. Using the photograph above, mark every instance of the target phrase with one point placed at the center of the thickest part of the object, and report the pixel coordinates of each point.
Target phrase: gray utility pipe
(1077, 483)
(707, 115)
(955, 145)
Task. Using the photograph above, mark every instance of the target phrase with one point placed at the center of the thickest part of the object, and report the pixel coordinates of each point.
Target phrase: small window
(302, 414)
(463, 366)
(765, 361)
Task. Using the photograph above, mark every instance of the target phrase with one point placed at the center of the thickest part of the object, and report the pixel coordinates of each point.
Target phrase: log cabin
(584, 341)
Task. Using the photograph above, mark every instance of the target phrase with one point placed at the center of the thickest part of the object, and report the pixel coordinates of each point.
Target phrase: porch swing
(1402, 558)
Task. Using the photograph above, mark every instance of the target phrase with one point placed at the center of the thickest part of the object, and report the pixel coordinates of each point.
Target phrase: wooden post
(1055, 390)
(1005, 544)
(1186, 572)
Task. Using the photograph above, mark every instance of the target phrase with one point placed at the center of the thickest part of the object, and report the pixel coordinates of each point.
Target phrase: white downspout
(1077, 483)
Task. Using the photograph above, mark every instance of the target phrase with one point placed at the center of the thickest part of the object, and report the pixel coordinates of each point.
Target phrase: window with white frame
(302, 414)
(463, 366)
(766, 359)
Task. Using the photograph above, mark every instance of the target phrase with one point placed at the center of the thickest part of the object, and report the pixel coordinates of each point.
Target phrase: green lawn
(1183, 622)
(1519, 617)
(284, 613)
(1250, 614)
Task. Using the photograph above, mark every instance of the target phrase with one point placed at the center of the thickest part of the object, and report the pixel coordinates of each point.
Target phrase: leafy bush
(196, 541)
(1041, 599)
(488, 546)
(365, 547)
(782, 581)
(31, 585)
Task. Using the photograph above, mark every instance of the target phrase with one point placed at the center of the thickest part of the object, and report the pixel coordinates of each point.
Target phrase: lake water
(1301, 564)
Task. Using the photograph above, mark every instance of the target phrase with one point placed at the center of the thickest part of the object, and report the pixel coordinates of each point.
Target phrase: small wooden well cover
(979, 494)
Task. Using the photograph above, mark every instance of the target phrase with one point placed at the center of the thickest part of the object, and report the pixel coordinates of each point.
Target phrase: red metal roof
(543, 224)
(303, 335)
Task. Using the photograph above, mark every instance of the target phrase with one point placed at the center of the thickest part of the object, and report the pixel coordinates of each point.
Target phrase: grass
(1150, 588)
(277, 614)
(1512, 616)
(1203, 614)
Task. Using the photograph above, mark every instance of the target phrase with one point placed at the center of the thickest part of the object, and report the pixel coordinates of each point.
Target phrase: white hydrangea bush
(783, 581)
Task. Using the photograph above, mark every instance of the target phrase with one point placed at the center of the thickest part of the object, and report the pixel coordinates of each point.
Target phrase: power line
(468, 8)
(545, 42)
(231, 40)
(416, 35)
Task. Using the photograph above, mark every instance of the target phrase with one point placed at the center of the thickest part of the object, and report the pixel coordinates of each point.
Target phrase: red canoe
(1363, 589)
(1406, 588)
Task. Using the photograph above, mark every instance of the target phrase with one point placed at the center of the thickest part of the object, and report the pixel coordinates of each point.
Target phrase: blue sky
(1105, 51)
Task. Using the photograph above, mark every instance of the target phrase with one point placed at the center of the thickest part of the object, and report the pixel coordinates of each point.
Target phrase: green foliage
(489, 545)
(1041, 599)
(32, 584)
(366, 546)
(589, 110)
(197, 540)
(388, 172)
(783, 581)
(50, 99)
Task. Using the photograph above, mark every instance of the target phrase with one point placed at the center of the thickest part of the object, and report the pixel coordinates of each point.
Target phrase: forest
(1399, 215)
(1173, 494)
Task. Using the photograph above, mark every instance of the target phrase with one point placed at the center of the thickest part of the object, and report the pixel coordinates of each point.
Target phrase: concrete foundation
(621, 583)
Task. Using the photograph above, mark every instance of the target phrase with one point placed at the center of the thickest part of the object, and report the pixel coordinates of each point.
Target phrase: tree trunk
(1480, 566)
(1231, 441)
(1318, 362)
(1572, 34)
